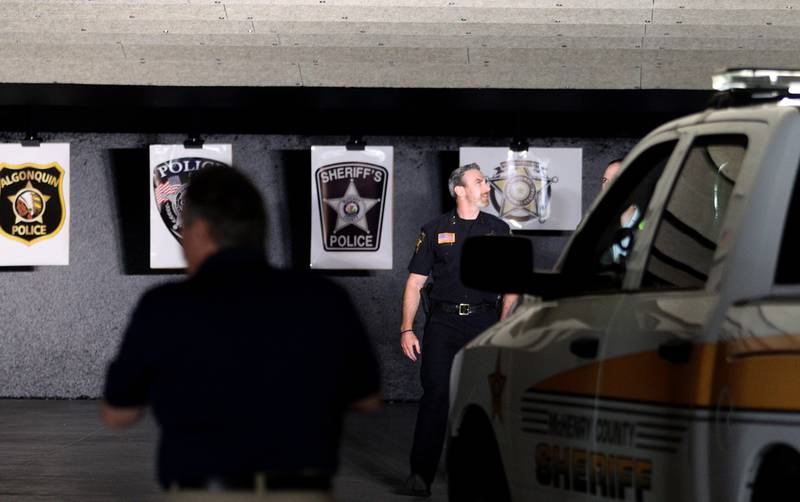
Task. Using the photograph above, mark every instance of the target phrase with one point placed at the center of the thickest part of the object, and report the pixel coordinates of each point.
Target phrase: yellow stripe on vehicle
(758, 373)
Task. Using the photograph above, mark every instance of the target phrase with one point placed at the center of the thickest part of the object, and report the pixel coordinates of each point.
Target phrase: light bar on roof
(755, 79)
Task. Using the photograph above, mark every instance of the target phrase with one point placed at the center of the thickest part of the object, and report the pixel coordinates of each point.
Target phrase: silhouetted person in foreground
(248, 369)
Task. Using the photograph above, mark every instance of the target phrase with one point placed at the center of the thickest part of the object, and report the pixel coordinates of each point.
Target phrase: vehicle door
(657, 367)
(554, 344)
(754, 438)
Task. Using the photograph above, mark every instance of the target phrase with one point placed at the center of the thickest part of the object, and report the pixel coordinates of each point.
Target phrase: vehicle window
(597, 256)
(684, 245)
(788, 271)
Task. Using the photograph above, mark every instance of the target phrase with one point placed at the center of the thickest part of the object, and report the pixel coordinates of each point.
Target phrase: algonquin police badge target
(351, 208)
(35, 209)
(33, 204)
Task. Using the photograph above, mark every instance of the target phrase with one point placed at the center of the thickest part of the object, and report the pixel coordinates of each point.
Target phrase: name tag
(447, 238)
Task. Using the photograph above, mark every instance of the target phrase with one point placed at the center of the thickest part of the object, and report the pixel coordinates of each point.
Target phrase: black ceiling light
(31, 139)
(193, 141)
(356, 143)
(519, 144)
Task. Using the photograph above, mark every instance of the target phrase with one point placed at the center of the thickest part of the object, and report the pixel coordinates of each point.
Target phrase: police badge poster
(351, 207)
(171, 167)
(537, 189)
(34, 204)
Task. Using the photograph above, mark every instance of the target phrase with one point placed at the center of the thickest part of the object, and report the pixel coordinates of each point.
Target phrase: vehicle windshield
(598, 256)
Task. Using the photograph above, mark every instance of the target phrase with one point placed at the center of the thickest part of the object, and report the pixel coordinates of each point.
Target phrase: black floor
(59, 451)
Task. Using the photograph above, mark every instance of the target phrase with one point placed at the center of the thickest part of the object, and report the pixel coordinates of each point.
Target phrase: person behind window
(628, 219)
(611, 171)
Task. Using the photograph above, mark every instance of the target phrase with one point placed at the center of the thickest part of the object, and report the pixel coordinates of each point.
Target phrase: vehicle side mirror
(499, 264)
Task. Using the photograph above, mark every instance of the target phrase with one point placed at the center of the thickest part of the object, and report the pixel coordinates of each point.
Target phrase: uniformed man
(457, 313)
(628, 219)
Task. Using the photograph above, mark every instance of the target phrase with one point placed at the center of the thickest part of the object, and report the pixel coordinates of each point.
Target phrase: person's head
(467, 183)
(612, 169)
(221, 209)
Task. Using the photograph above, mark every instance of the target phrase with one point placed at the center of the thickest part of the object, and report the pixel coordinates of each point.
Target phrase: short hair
(457, 176)
(231, 205)
(615, 161)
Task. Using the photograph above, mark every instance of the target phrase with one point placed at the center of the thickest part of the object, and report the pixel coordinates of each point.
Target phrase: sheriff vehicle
(660, 360)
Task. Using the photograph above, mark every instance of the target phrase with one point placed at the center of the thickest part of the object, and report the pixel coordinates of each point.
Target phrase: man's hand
(509, 300)
(409, 344)
(411, 293)
(369, 404)
(120, 418)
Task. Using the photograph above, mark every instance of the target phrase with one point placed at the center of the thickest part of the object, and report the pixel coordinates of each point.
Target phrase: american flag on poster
(171, 167)
(170, 186)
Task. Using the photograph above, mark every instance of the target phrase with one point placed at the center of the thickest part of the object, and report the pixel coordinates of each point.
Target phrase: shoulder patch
(420, 242)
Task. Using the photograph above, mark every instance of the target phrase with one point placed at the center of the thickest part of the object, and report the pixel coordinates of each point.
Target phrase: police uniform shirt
(438, 254)
(246, 368)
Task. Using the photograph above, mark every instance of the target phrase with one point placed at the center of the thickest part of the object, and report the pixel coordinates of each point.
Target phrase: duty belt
(462, 308)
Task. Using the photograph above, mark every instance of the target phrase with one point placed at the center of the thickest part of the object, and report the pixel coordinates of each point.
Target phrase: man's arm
(509, 300)
(360, 379)
(119, 417)
(128, 376)
(408, 340)
(369, 404)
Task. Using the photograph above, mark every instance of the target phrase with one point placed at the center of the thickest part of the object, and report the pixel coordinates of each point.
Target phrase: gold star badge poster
(351, 207)
(34, 204)
(536, 189)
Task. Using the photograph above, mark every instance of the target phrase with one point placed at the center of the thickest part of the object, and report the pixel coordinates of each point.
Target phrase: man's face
(610, 173)
(474, 188)
(195, 242)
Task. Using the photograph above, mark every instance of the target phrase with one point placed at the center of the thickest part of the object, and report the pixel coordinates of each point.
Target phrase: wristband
(406, 330)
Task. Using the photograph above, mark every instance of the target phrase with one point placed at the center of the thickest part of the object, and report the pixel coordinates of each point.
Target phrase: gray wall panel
(61, 325)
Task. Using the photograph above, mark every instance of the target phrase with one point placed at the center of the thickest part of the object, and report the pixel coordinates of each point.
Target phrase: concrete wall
(59, 326)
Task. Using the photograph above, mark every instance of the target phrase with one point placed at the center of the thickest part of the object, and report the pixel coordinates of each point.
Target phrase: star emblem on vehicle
(497, 383)
(351, 208)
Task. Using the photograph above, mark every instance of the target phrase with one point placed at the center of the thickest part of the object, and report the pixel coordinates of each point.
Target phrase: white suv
(660, 361)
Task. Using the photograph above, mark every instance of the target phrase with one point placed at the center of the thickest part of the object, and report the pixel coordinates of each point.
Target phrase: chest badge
(446, 238)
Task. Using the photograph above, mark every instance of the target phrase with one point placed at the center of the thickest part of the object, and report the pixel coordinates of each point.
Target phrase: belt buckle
(463, 309)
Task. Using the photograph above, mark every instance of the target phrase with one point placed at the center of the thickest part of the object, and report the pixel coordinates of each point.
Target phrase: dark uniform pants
(445, 334)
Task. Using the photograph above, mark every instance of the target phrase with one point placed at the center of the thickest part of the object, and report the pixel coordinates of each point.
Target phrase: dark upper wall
(61, 325)
(439, 112)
